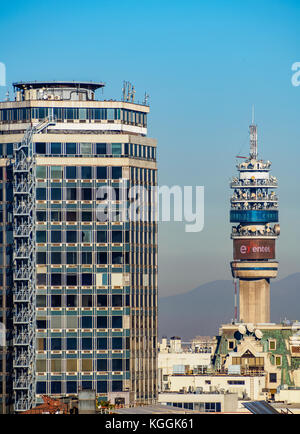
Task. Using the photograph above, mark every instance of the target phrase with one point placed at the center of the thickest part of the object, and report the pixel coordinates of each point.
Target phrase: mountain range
(201, 311)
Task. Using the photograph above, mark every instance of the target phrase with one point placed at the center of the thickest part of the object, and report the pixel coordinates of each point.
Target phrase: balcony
(255, 183)
(253, 234)
(246, 205)
(251, 199)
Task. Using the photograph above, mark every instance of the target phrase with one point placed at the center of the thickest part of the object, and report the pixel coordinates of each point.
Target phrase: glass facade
(143, 152)
(69, 114)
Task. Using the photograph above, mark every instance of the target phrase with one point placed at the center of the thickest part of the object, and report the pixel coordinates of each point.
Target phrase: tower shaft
(255, 301)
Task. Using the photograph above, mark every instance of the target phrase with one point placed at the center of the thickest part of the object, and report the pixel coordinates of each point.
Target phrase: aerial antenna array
(128, 91)
(146, 98)
(253, 138)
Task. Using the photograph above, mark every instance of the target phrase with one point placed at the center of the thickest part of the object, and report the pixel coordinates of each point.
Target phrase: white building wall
(229, 402)
(167, 361)
(251, 388)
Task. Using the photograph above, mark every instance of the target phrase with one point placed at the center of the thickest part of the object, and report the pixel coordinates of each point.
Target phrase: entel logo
(244, 249)
(255, 249)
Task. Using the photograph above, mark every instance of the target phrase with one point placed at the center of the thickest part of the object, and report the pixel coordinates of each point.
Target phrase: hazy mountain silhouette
(203, 310)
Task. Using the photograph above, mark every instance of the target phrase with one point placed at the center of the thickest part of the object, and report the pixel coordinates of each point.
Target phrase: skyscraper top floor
(73, 102)
(65, 91)
(56, 90)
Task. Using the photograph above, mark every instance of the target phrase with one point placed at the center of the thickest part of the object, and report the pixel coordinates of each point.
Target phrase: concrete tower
(254, 209)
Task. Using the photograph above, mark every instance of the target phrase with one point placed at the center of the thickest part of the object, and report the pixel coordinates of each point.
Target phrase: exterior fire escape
(24, 268)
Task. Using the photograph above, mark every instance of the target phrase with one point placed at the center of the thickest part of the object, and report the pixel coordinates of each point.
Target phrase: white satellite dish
(258, 333)
(242, 329)
(250, 328)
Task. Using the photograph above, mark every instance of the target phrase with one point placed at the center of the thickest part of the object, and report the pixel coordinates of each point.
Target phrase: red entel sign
(254, 249)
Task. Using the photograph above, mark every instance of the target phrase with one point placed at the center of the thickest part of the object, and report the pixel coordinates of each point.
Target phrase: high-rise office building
(78, 282)
(254, 206)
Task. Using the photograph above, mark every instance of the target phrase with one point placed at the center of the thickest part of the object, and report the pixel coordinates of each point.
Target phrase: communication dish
(258, 334)
(250, 328)
(242, 329)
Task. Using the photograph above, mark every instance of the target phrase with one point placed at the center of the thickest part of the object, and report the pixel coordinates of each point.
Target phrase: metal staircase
(24, 268)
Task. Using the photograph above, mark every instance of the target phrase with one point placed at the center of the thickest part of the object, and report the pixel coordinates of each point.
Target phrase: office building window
(101, 386)
(55, 343)
(87, 322)
(273, 378)
(102, 344)
(41, 193)
(116, 172)
(117, 364)
(101, 300)
(71, 257)
(86, 172)
(117, 386)
(85, 148)
(102, 238)
(102, 365)
(71, 300)
(56, 298)
(71, 387)
(101, 172)
(40, 148)
(55, 387)
(116, 322)
(71, 344)
(55, 236)
(101, 148)
(87, 343)
(71, 149)
(55, 148)
(101, 322)
(71, 172)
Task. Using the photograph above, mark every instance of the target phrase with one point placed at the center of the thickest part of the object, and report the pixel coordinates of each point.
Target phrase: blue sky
(204, 64)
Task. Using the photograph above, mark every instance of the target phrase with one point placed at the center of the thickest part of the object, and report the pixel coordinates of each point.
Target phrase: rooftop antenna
(132, 94)
(253, 138)
(124, 90)
(129, 85)
(146, 98)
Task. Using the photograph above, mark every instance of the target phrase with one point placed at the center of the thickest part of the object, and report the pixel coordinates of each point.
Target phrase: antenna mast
(253, 138)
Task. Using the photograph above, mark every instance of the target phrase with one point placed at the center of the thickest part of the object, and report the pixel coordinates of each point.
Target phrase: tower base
(254, 301)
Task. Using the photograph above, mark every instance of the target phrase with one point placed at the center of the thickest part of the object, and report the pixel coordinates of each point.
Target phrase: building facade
(176, 357)
(271, 351)
(78, 274)
(206, 402)
(192, 371)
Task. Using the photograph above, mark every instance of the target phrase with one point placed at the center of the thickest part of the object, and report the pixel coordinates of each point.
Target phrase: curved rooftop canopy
(58, 84)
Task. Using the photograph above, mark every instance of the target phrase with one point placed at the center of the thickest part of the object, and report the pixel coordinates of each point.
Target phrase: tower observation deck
(254, 215)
